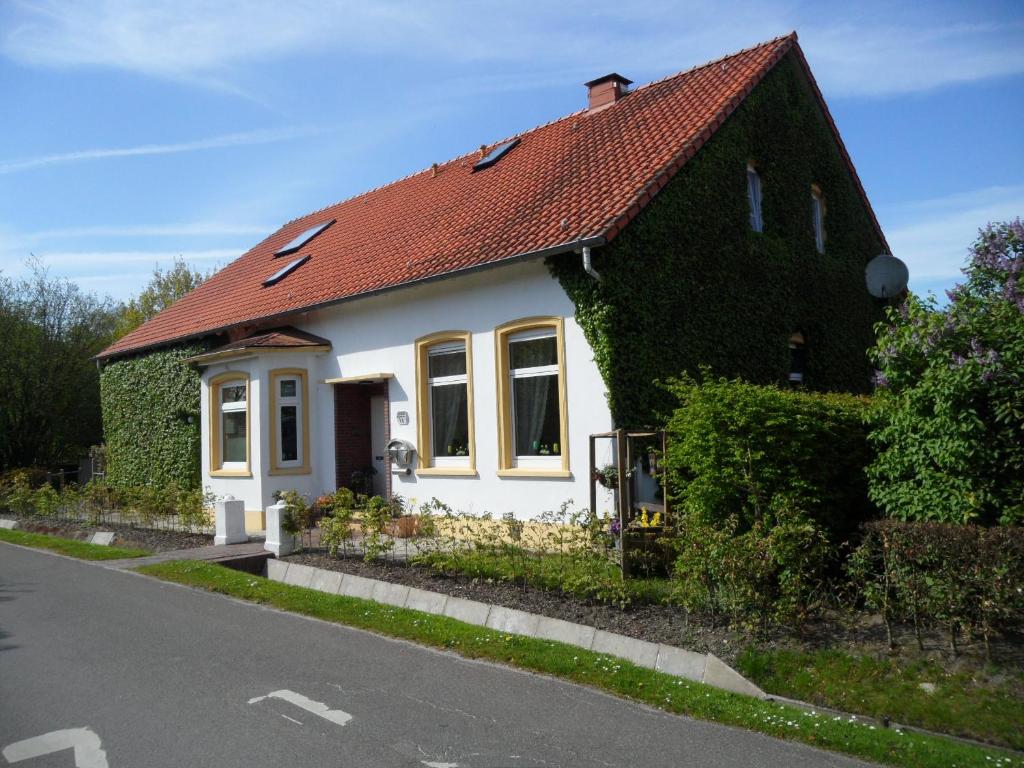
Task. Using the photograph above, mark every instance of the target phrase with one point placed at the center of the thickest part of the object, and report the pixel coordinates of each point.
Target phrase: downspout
(588, 264)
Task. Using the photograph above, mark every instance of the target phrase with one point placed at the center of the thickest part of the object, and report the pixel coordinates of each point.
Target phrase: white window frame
(533, 462)
(755, 197)
(818, 218)
(234, 407)
(447, 348)
(281, 402)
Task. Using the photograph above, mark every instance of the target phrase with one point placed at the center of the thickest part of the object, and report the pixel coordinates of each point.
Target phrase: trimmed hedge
(751, 453)
(688, 283)
(147, 404)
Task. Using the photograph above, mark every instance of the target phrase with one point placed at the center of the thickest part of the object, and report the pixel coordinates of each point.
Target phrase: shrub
(949, 421)
(336, 529)
(17, 493)
(374, 519)
(740, 451)
(963, 577)
(46, 501)
(296, 512)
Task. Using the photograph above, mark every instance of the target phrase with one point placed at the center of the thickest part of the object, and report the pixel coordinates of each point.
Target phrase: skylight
(284, 271)
(495, 155)
(302, 239)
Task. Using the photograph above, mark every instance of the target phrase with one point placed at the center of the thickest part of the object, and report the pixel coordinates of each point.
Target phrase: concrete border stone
(423, 600)
(103, 538)
(326, 581)
(678, 662)
(8, 524)
(640, 652)
(513, 622)
(357, 586)
(469, 611)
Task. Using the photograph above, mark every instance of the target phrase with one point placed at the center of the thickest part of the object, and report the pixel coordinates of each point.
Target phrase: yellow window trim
(425, 452)
(218, 381)
(529, 472)
(506, 454)
(289, 373)
(447, 472)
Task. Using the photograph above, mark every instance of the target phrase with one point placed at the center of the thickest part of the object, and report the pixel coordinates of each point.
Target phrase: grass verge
(961, 703)
(607, 673)
(83, 550)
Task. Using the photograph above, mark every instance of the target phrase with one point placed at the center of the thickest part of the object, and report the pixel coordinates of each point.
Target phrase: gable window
(289, 422)
(754, 198)
(533, 429)
(229, 424)
(444, 375)
(797, 359)
(818, 217)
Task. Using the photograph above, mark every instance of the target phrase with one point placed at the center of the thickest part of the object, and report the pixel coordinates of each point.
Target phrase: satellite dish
(886, 276)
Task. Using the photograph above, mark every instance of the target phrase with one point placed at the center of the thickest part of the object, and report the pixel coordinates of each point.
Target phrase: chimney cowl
(606, 90)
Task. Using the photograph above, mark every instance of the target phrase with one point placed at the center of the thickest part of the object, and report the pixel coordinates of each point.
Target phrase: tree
(949, 421)
(49, 408)
(164, 289)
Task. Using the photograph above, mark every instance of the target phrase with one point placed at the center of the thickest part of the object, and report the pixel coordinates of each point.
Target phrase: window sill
(447, 472)
(290, 471)
(230, 473)
(530, 472)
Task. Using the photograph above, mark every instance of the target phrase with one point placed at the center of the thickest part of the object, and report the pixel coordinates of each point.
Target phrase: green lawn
(605, 672)
(70, 547)
(962, 704)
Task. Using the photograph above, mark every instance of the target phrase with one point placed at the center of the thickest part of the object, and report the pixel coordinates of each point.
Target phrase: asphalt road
(168, 676)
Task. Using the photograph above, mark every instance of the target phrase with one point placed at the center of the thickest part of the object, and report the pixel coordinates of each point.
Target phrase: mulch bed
(125, 535)
(858, 634)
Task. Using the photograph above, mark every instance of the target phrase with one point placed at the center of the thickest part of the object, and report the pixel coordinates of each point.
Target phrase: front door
(378, 442)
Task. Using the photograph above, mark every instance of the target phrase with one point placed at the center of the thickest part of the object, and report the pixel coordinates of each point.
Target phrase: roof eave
(593, 241)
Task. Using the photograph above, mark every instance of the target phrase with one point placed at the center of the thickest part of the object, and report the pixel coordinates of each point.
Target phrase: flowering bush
(949, 418)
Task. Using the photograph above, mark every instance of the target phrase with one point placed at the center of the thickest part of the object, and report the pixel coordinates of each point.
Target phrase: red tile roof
(275, 338)
(578, 180)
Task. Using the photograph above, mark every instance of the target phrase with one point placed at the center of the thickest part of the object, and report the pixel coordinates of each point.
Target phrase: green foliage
(336, 529)
(50, 407)
(688, 283)
(164, 289)
(297, 512)
(741, 452)
(949, 422)
(147, 404)
(963, 577)
(16, 493)
(46, 501)
(971, 704)
(373, 521)
(766, 574)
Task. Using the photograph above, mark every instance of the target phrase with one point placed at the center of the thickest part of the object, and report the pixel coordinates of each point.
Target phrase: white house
(427, 312)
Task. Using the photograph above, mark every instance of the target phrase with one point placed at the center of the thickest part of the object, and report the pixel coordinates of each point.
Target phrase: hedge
(151, 419)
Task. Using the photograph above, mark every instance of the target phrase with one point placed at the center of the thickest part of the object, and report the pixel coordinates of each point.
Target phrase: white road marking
(439, 765)
(322, 710)
(89, 751)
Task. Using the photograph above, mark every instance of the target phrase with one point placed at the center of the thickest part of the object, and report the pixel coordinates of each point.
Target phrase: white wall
(377, 334)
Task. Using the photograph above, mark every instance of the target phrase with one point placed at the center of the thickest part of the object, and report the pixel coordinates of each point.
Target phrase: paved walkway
(223, 552)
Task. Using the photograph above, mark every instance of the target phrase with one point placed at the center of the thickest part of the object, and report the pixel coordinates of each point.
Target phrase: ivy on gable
(688, 284)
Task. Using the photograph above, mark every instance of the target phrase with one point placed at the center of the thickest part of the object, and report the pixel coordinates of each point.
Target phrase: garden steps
(226, 554)
(679, 662)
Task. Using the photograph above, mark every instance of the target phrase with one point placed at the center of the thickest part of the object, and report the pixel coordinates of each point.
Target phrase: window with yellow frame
(289, 422)
(444, 404)
(229, 424)
(533, 430)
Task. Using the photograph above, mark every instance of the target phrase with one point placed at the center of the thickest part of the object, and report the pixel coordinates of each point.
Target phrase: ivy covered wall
(688, 283)
(148, 402)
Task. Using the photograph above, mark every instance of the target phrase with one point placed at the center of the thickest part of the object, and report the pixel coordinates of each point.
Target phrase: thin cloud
(246, 138)
(90, 259)
(932, 236)
(192, 41)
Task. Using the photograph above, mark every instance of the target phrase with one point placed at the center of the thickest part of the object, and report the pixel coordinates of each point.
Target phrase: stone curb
(8, 524)
(699, 667)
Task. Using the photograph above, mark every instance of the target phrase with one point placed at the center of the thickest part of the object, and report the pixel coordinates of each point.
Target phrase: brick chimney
(605, 91)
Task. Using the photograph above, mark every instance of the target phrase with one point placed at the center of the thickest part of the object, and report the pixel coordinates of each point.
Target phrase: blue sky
(137, 131)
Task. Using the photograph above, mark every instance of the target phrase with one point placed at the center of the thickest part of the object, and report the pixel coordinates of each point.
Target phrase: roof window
(284, 271)
(495, 155)
(302, 239)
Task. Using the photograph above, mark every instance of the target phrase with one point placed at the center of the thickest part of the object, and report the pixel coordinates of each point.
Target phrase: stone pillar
(229, 518)
(278, 542)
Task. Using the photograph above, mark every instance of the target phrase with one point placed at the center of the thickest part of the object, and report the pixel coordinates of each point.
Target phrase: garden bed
(124, 535)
